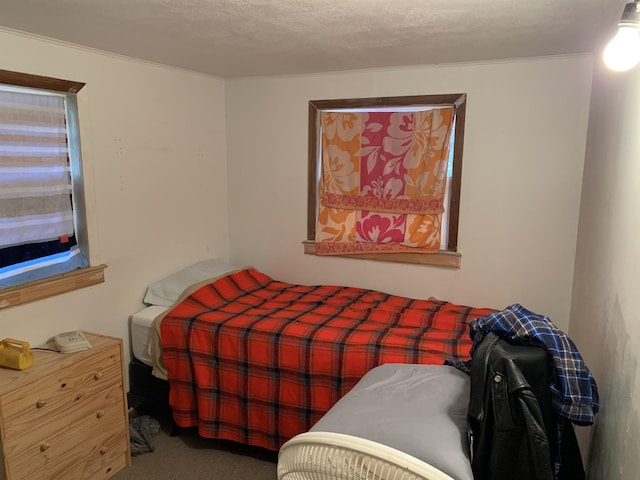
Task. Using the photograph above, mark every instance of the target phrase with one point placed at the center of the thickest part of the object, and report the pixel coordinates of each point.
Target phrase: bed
(418, 410)
(244, 357)
(255, 360)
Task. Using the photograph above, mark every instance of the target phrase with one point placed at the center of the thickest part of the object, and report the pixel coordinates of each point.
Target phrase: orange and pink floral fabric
(383, 181)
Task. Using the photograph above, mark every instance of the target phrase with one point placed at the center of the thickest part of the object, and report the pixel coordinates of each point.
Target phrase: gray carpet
(188, 456)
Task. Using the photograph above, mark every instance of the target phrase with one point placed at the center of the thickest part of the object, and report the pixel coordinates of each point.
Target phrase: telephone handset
(69, 342)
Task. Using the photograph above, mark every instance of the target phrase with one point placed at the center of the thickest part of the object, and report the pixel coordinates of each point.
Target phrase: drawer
(95, 438)
(106, 461)
(108, 470)
(91, 403)
(62, 393)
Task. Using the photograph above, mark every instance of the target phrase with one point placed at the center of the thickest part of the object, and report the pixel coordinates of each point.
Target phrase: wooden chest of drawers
(66, 416)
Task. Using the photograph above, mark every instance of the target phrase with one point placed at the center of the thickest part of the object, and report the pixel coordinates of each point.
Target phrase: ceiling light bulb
(623, 51)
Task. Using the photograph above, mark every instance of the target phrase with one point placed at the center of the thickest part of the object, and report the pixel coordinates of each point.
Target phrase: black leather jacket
(513, 426)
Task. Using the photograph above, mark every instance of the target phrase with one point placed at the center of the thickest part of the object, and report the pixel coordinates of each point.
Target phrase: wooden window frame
(56, 284)
(445, 258)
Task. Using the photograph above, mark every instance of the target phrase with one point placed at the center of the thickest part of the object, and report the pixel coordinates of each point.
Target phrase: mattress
(141, 324)
(417, 409)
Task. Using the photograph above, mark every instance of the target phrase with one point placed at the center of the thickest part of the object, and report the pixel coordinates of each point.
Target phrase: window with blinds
(37, 221)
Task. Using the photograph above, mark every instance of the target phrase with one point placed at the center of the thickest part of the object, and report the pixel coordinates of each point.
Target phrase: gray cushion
(417, 409)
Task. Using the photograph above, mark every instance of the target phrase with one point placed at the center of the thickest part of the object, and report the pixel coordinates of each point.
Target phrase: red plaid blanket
(258, 361)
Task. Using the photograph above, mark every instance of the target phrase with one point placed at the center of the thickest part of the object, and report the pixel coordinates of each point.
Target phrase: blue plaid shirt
(573, 388)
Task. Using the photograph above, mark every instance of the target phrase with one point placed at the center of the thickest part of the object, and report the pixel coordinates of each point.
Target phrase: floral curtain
(383, 180)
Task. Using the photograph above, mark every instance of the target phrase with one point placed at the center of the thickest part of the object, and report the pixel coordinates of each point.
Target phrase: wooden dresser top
(46, 361)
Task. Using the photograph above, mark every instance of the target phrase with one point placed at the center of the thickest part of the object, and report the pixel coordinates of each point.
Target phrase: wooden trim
(312, 166)
(36, 81)
(373, 102)
(456, 177)
(48, 287)
(440, 259)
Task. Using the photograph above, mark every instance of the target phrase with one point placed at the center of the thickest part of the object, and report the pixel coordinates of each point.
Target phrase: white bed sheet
(141, 325)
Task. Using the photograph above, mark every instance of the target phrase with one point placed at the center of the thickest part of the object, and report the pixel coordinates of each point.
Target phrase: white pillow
(166, 291)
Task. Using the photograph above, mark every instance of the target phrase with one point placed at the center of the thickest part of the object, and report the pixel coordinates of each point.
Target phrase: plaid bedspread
(258, 361)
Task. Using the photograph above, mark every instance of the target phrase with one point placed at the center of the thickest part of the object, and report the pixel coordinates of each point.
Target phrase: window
(42, 206)
(447, 222)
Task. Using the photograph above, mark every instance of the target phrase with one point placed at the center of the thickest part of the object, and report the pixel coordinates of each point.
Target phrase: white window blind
(37, 236)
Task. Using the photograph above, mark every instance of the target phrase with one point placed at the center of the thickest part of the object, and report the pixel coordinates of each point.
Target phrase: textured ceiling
(260, 37)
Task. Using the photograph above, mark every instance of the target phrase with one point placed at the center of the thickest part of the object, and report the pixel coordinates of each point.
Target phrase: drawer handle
(97, 376)
(44, 447)
(100, 414)
(41, 403)
(103, 450)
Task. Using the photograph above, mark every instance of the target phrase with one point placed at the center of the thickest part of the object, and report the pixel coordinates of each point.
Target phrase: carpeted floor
(188, 456)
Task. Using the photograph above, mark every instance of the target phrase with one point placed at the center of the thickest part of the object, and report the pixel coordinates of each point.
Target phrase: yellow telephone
(15, 354)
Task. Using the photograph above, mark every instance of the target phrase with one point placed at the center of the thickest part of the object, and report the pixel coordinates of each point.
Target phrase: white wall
(605, 318)
(154, 150)
(522, 176)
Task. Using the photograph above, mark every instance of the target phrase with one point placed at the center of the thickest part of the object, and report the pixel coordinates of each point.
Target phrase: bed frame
(147, 393)
(144, 385)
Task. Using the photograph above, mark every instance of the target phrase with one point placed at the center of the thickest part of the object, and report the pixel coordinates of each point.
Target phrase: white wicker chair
(336, 456)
